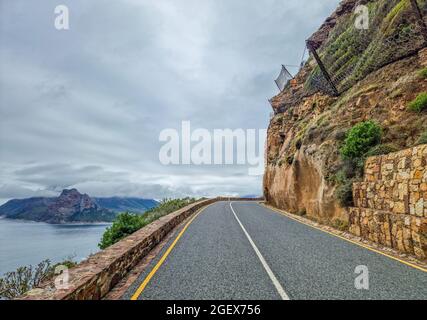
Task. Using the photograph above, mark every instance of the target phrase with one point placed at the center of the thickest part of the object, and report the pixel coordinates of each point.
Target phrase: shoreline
(58, 224)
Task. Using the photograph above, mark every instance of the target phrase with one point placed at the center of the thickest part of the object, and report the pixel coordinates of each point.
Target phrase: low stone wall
(391, 202)
(95, 277)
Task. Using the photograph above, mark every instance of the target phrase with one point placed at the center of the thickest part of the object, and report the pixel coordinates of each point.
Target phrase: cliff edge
(377, 73)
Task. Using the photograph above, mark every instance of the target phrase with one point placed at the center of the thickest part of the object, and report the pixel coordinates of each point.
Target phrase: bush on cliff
(344, 193)
(423, 73)
(16, 283)
(419, 104)
(127, 223)
(360, 139)
(422, 139)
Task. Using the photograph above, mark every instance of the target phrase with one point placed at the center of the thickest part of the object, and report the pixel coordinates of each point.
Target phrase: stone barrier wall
(95, 277)
(391, 202)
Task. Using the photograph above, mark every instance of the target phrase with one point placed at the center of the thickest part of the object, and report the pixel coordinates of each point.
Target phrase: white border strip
(270, 273)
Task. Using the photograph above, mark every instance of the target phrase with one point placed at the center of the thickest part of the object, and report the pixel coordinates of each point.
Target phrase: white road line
(270, 273)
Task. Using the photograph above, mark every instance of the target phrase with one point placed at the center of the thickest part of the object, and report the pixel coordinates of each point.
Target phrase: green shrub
(422, 139)
(344, 193)
(423, 73)
(419, 103)
(360, 138)
(382, 149)
(127, 223)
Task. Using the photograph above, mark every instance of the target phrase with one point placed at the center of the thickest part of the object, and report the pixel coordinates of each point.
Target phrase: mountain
(119, 204)
(72, 206)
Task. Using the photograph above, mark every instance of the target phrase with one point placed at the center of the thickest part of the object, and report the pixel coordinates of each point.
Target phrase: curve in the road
(247, 251)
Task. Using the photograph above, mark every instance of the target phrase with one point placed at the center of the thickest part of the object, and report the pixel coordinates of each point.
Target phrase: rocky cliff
(377, 73)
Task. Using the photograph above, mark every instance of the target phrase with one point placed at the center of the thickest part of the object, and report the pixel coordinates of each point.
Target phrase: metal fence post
(322, 67)
(420, 18)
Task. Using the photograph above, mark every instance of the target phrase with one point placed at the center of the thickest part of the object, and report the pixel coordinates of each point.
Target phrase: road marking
(270, 273)
(349, 240)
(141, 288)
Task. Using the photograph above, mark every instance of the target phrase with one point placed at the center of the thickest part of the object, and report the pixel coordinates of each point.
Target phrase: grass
(419, 104)
(382, 149)
(422, 73)
(422, 139)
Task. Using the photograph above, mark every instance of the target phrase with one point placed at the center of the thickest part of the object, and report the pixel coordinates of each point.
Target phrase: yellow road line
(354, 242)
(141, 288)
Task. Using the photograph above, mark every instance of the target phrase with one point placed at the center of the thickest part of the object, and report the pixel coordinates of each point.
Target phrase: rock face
(303, 161)
(72, 206)
(301, 188)
(71, 203)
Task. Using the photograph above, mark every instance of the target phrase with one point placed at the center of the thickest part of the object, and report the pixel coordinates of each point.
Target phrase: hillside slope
(131, 204)
(377, 72)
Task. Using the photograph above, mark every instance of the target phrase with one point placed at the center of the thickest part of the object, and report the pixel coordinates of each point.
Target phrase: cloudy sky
(84, 107)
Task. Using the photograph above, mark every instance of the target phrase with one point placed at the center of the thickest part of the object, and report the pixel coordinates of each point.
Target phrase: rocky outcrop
(303, 162)
(300, 187)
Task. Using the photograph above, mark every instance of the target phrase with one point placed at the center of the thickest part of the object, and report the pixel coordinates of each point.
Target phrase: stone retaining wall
(391, 202)
(95, 277)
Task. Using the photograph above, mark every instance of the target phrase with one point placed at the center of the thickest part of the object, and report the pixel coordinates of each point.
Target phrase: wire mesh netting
(283, 78)
(350, 54)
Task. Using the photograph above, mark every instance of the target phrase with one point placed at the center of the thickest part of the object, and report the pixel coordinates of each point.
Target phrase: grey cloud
(85, 107)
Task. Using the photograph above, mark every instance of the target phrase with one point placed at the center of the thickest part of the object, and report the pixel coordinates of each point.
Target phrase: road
(245, 251)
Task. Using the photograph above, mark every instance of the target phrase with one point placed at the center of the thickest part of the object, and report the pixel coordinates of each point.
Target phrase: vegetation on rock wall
(16, 283)
(381, 149)
(360, 139)
(349, 54)
(423, 138)
(423, 73)
(419, 104)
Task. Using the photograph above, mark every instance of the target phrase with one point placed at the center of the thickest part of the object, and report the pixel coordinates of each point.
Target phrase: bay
(25, 242)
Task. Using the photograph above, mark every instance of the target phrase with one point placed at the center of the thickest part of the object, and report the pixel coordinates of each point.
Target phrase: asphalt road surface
(245, 251)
